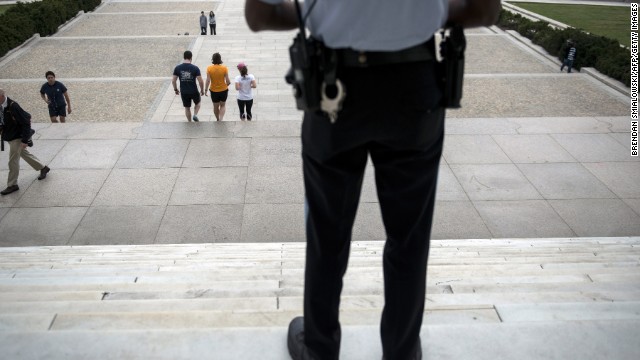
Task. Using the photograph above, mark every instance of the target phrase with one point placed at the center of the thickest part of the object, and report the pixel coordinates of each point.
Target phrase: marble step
(216, 275)
(97, 303)
(585, 340)
(285, 267)
(185, 287)
(181, 291)
(171, 319)
(588, 290)
(353, 285)
(628, 254)
(249, 249)
(242, 250)
(215, 319)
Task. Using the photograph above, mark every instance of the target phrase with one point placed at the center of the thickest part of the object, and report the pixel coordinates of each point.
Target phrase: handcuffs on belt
(310, 59)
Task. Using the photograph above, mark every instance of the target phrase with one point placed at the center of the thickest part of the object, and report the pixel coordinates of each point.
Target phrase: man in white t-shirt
(244, 83)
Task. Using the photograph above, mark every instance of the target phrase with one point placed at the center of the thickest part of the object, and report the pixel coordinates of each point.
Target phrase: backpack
(10, 114)
(10, 111)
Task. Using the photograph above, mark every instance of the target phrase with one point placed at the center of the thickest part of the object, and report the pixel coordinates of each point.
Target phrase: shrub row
(604, 54)
(23, 20)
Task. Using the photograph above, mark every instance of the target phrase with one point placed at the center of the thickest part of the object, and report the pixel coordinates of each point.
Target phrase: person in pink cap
(244, 83)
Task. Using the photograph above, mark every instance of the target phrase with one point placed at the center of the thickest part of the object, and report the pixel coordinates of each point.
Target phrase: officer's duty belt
(354, 58)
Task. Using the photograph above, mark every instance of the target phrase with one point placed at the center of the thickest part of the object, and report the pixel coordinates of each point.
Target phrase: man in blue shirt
(203, 23)
(55, 94)
(188, 74)
(402, 133)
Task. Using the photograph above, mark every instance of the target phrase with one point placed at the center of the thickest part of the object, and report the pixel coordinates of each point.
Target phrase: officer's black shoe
(295, 340)
(9, 190)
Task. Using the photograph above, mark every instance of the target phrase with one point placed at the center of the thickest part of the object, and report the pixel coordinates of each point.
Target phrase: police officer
(402, 132)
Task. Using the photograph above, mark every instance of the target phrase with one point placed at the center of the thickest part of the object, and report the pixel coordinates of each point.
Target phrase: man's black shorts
(57, 110)
(186, 99)
(219, 96)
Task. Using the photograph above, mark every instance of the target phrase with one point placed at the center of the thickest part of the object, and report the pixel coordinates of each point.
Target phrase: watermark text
(634, 80)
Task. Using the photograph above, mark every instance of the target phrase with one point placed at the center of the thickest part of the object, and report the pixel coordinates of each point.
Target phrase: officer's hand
(23, 145)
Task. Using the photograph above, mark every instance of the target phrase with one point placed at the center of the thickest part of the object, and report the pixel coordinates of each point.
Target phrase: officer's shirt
(374, 25)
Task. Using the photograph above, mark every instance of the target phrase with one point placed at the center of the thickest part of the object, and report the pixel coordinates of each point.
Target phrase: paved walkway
(533, 152)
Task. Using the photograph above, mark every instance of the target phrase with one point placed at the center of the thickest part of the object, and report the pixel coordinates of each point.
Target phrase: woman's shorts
(219, 96)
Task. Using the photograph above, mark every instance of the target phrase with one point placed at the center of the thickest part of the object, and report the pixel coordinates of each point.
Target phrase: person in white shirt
(244, 83)
(212, 23)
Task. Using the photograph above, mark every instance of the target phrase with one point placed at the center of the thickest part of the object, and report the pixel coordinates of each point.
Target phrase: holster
(451, 68)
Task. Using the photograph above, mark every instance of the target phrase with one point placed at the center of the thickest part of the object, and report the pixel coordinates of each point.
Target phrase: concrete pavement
(536, 155)
(532, 153)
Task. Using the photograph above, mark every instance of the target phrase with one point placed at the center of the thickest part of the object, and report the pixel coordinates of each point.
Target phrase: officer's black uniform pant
(400, 125)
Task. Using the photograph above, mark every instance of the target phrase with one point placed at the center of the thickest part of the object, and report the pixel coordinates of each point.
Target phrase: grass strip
(609, 21)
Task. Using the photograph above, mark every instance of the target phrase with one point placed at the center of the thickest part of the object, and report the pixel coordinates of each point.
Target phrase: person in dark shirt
(203, 23)
(55, 94)
(15, 126)
(570, 53)
(188, 74)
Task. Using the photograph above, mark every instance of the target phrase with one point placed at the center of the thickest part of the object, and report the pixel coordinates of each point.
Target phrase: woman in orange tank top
(218, 84)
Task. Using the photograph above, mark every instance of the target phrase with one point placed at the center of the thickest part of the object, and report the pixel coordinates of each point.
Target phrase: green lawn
(610, 21)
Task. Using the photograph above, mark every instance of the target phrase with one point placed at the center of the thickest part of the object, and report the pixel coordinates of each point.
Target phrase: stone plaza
(154, 237)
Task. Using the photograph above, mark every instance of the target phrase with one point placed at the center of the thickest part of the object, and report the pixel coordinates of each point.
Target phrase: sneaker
(195, 118)
(243, 116)
(295, 340)
(249, 117)
(9, 190)
(43, 173)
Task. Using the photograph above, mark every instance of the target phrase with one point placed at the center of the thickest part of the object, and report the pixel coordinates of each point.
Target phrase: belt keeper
(362, 58)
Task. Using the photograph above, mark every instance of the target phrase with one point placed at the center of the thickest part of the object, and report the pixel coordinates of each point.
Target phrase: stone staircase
(561, 298)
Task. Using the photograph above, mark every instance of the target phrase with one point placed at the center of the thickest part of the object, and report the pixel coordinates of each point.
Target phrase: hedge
(22, 21)
(604, 54)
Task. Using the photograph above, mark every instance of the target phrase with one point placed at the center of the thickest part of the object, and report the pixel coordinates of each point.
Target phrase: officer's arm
(472, 13)
(263, 16)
